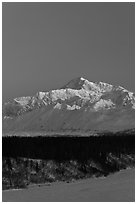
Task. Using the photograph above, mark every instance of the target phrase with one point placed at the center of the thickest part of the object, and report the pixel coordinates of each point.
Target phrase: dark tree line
(67, 148)
(29, 160)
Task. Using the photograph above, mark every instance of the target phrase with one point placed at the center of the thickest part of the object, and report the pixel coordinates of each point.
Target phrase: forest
(46, 159)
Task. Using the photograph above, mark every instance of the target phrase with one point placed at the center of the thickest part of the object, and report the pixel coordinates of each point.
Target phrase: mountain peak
(82, 83)
(80, 105)
(82, 79)
(79, 79)
(76, 83)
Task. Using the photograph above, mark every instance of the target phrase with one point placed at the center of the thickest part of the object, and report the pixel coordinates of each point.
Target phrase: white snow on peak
(81, 78)
(122, 88)
(80, 93)
(129, 98)
(104, 87)
(74, 107)
(23, 100)
(130, 94)
(7, 117)
(57, 106)
(40, 95)
(82, 83)
(103, 104)
(67, 94)
(68, 107)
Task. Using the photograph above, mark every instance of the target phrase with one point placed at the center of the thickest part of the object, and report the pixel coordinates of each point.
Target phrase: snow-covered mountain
(79, 106)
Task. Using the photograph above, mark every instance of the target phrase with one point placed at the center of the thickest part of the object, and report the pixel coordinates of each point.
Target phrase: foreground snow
(119, 187)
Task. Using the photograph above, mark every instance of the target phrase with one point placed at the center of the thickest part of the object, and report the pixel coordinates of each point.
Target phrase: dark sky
(45, 45)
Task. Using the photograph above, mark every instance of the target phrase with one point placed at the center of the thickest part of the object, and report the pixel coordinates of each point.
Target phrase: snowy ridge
(79, 107)
(103, 104)
(76, 94)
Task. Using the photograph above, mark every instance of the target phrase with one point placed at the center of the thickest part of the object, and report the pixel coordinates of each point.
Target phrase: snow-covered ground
(118, 187)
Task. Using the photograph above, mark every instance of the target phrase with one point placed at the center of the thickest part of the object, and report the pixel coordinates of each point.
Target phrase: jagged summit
(82, 83)
(80, 105)
(75, 83)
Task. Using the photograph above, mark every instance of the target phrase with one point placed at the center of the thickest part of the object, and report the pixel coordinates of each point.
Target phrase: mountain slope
(79, 106)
